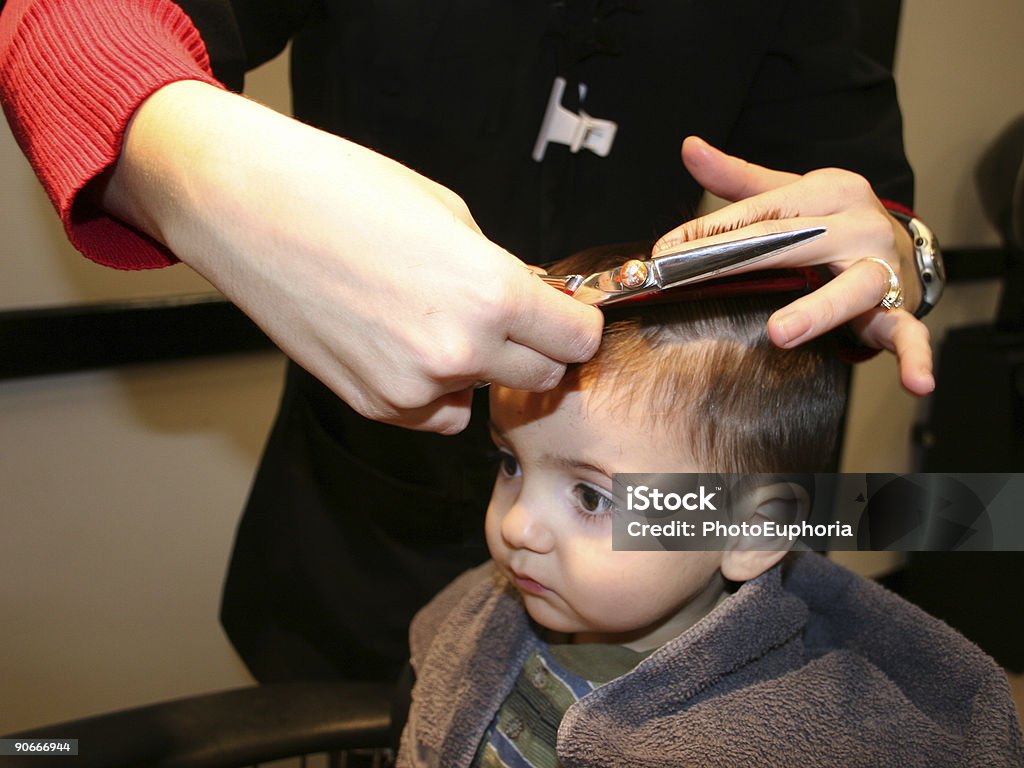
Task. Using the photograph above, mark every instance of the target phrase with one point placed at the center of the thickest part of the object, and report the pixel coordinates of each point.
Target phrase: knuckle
(403, 395)
(505, 303)
(859, 185)
(454, 202)
(832, 176)
(881, 278)
(919, 331)
(821, 174)
(371, 408)
(589, 337)
(454, 423)
(846, 183)
(550, 377)
(854, 184)
(404, 390)
(448, 356)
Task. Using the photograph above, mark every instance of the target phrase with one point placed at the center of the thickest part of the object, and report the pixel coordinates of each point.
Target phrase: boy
(564, 652)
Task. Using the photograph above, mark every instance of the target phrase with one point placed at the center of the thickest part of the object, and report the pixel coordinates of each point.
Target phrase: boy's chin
(546, 616)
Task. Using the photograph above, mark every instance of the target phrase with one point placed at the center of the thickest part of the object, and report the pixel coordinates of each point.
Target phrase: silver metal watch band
(931, 270)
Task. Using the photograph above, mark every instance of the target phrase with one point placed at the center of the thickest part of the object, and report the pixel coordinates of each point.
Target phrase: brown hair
(737, 402)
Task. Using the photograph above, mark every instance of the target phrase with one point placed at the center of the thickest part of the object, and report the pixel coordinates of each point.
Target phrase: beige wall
(119, 491)
(120, 496)
(960, 73)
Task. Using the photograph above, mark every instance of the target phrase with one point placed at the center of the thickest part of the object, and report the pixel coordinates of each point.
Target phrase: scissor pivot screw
(632, 274)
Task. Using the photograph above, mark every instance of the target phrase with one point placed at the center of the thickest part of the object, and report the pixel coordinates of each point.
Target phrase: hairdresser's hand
(373, 278)
(858, 228)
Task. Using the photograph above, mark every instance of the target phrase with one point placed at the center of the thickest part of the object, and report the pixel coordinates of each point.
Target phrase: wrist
(927, 264)
(199, 163)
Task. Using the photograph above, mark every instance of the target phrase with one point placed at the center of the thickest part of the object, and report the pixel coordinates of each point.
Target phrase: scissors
(637, 277)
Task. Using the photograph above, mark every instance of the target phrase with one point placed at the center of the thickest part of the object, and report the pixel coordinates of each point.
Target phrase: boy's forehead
(511, 408)
(589, 400)
(570, 421)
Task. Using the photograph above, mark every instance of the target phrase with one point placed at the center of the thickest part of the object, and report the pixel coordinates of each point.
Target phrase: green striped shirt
(554, 677)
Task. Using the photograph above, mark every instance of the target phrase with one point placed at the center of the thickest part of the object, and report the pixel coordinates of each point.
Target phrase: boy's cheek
(492, 528)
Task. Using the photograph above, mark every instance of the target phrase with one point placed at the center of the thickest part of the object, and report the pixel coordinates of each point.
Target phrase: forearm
(201, 167)
(181, 161)
(221, 180)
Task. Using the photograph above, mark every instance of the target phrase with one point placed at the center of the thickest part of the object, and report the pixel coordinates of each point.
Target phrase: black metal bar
(985, 263)
(53, 340)
(36, 342)
(229, 728)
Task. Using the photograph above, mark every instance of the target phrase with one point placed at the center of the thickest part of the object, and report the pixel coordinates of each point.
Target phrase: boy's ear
(750, 556)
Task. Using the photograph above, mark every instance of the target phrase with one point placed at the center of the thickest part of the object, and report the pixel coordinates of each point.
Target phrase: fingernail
(792, 327)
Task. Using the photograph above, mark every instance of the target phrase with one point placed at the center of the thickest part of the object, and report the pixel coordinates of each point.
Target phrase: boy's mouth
(528, 585)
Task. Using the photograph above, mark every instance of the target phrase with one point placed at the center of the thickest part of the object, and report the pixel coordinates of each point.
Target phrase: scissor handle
(565, 283)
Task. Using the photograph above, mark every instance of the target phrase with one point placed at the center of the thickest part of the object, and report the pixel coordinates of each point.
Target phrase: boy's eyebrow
(567, 462)
(564, 462)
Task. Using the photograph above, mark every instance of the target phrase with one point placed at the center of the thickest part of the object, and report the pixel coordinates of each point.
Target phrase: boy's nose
(522, 528)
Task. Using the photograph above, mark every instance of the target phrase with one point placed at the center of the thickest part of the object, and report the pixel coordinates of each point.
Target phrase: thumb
(726, 176)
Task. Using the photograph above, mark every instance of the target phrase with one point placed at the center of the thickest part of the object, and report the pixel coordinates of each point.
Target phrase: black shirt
(352, 525)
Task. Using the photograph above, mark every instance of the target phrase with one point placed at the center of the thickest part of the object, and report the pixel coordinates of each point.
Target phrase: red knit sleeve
(71, 76)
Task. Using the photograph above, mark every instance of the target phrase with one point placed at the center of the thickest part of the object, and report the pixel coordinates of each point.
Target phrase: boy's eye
(593, 501)
(507, 464)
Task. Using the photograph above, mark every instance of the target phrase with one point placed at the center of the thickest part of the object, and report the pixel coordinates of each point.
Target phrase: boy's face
(549, 523)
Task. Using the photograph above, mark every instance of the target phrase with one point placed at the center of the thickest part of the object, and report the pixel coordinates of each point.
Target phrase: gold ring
(893, 298)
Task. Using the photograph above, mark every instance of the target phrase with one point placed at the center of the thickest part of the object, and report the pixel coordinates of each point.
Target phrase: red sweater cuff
(72, 75)
(892, 205)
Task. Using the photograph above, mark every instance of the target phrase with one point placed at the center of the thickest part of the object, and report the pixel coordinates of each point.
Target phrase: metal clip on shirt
(637, 278)
(582, 131)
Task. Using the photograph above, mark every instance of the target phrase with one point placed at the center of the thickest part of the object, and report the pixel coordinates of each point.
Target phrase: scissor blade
(638, 278)
(706, 262)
